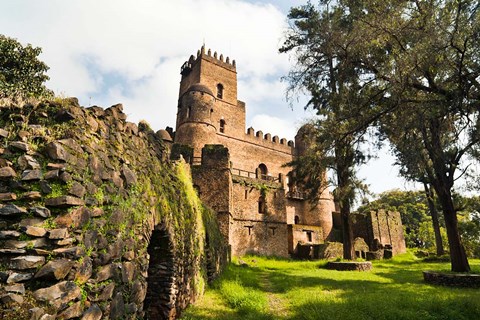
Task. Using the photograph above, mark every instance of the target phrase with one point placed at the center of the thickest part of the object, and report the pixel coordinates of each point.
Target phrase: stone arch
(160, 298)
(262, 171)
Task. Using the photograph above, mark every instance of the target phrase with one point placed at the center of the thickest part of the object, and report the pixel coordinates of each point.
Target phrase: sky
(130, 52)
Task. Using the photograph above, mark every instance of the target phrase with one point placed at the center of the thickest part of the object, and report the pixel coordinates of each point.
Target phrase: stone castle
(241, 174)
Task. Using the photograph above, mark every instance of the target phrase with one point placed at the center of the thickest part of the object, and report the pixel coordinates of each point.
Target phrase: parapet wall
(266, 140)
(94, 221)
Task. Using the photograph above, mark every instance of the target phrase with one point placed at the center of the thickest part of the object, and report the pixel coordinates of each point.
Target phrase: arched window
(297, 220)
(262, 172)
(222, 126)
(219, 91)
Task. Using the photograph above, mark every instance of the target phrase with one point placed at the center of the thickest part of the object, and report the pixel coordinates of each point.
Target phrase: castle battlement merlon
(268, 137)
(207, 55)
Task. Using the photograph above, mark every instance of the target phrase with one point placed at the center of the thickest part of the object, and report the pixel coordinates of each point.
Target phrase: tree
(423, 57)
(414, 166)
(21, 73)
(430, 62)
(324, 67)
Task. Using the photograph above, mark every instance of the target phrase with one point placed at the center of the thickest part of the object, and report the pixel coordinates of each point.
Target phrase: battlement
(207, 55)
(267, 137)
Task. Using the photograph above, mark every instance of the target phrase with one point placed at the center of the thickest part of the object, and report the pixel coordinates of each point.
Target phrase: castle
(239, 173)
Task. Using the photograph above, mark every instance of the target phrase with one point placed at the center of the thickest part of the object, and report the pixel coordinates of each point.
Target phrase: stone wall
(381, 227)
(94, 219)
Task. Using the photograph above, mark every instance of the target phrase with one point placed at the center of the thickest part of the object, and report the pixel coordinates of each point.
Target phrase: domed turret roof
(164, 135)
(200, 88)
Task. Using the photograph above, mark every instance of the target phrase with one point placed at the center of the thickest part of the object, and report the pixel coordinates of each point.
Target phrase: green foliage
(180, 149)
(413, 209)
(426, 236)
(21, 73)
(469, 224)
(414, 75)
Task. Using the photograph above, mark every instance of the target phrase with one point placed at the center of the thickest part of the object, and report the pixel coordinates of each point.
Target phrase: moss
(163, 194)
(181, 149)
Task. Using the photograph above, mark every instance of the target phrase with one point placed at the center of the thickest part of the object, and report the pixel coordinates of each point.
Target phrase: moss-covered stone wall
(81, 193)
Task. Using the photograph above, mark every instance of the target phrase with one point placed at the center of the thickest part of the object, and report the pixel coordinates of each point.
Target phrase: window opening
(261, 205)
(309, 236)
(246, 194)
(273, 230)
(263, 171)
(220, 91)
(222, 126)
(249, 229)
(297, 220)
(189, 112)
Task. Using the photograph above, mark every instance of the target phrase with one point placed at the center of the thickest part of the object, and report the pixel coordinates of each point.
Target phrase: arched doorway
(159, 302)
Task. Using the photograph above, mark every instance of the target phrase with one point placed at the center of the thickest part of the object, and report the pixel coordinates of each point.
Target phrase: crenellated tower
(207, 103)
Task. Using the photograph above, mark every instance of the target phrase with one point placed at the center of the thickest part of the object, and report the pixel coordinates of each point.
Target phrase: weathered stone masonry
(94, 221)
(259, 208)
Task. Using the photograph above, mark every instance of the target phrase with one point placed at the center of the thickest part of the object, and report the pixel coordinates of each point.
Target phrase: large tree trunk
(458, 256)
(436, 224)
(344, 161)
(347, 231)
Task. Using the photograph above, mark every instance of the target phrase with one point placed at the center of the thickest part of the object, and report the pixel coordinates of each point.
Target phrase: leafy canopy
(22, 74)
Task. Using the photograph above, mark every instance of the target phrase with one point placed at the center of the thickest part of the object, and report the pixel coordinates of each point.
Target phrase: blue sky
(122, 51)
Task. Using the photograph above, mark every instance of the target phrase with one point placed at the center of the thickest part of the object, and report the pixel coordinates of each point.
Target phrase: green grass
(284, 289)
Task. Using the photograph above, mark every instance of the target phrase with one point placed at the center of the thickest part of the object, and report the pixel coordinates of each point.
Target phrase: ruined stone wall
(94, 221)
(384, 227)
(298, 234)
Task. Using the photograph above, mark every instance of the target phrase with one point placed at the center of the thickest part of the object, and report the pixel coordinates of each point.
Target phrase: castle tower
(322, 213)
(208, 104)
(194, 118)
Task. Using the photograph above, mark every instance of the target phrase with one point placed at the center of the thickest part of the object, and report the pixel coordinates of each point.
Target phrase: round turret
(303, 138)
(322, 213)
(194, 118)
(164, 135)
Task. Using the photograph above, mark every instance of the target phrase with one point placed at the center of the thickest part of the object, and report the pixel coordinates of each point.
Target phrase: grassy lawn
(284, 289)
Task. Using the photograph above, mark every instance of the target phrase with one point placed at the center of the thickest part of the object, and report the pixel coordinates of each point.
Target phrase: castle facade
(240, 173)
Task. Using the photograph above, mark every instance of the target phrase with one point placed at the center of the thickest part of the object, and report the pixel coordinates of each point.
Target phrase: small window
(261, 205)
(273, 230)
(222, 126)
(309, 236)
(219, 91)
(297, 220)
(246, 194)
(249, 229)
(189, 112)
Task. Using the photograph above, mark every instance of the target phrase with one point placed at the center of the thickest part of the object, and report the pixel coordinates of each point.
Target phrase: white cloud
(90, 44)
(274, 125)
(112, 51)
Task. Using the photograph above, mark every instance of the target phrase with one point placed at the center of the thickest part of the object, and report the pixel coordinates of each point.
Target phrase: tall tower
(207, 104)
(321, 214)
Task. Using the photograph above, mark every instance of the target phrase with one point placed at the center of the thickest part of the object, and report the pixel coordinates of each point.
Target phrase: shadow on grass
(393, 290)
